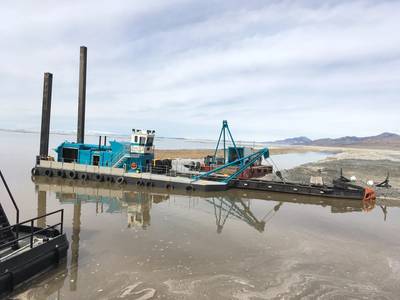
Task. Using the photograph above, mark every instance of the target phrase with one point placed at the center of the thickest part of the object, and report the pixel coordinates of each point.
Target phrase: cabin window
(136, 138)
(149, 141)
(69, 155)
(96, 159)
(142, 141)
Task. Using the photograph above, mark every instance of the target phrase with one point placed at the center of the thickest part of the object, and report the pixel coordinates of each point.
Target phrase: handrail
(31, 235)
(117, 157)
(124, 155)
(34, 219)
(33, 232)
(11, 197)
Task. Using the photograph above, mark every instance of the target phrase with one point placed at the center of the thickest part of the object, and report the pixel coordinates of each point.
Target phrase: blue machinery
(244, 162)
(236, 156)
(134, 156)
(233, 152)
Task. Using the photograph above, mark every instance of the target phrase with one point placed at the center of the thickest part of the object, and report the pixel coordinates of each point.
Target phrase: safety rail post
(62, 222)
(31, 237)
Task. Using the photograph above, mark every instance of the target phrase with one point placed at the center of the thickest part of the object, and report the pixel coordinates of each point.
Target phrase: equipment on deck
(242, 163)
(234, 152)
(233, 159)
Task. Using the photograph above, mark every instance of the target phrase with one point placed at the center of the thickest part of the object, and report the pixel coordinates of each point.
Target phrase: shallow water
(291, 160)
(140, 243)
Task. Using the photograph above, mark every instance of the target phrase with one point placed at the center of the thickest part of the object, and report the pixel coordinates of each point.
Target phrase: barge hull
(34, 262)
(117, 175)
(299, 189)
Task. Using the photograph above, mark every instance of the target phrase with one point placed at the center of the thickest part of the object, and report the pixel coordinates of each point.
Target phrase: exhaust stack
(82, 95)
(46, 108)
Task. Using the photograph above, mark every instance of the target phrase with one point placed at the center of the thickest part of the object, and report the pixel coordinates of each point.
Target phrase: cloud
(272, 68)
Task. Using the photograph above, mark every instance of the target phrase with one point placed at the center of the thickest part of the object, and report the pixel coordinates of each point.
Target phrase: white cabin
(142, 141)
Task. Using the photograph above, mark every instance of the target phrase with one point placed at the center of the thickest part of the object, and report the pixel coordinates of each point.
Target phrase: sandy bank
(201, 153)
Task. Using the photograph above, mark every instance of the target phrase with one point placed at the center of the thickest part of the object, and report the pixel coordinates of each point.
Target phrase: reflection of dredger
(137, 202)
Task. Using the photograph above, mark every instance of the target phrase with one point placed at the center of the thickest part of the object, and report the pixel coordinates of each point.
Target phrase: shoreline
(275, 150)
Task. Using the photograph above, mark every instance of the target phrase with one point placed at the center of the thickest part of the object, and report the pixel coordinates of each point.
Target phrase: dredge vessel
(134, 163)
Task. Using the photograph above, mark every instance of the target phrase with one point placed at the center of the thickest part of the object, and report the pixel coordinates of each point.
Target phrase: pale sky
(273, 69)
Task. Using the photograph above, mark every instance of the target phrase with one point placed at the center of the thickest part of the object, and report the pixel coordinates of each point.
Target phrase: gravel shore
(364, 164)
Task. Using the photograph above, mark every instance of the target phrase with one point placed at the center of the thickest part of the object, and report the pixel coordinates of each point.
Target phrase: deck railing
(32, 229)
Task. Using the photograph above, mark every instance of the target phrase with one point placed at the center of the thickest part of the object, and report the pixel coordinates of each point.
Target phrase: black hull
(339, 190)
(355, 193)
(26, 265)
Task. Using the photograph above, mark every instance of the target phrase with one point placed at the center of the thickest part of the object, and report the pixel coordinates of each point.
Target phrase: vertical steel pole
(224, 147)
(62, 222)
(46, 108)
(31, 237)
(82, 95)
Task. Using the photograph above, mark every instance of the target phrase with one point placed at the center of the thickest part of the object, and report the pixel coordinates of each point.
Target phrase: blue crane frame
(245, 162)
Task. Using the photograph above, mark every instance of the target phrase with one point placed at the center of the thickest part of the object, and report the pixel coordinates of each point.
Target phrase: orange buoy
(133, 165)
(369, 199)
(369, 194)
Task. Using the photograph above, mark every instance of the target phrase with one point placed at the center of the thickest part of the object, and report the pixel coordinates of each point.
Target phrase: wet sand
(150, 244)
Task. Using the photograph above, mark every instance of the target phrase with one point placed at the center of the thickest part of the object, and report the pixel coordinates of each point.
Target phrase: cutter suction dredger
(133, 162)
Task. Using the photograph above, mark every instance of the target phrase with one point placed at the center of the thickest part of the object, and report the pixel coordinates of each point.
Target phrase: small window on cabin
(136, 139)
(150, 141)
(142, 141)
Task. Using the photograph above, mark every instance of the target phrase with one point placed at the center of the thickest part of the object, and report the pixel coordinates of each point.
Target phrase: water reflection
(384, 210)
(137, 205)
(42, 208)
(225, 207)
(138, 202)
(74, 240)
(76, 229)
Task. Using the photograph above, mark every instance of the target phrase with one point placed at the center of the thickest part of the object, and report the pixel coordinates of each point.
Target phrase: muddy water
(144, 244)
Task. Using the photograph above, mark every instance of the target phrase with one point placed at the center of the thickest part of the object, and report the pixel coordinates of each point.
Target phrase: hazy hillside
(301, 140)
(385, 140)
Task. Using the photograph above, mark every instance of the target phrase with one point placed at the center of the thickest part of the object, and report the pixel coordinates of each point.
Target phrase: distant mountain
(384, 140)
(300, 140)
